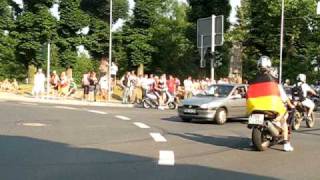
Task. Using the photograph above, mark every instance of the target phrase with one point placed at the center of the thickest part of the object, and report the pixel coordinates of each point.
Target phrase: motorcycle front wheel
(311, 121)
(172, 105)
(297, 121)
(146, 104)
(259, 139)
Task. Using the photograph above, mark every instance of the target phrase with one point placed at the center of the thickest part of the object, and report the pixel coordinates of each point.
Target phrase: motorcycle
(301, 114)
(151, 101)
(265, 132)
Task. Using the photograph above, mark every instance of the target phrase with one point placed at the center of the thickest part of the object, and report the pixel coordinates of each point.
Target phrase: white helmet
(264, 63)
(302, 78)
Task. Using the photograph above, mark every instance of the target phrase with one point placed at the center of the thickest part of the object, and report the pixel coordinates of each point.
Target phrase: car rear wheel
(221, 116)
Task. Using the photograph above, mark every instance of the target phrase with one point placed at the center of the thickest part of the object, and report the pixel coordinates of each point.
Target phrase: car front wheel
(221, 116)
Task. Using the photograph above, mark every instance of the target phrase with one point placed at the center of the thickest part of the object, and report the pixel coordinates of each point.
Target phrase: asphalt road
(42, 141)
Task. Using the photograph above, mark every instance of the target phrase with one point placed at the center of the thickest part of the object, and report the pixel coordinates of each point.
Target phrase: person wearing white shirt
(306, 89)
(39, 80)
(104, 84)
(188, 87)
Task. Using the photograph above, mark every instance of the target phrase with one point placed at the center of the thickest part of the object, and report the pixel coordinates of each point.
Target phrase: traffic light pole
(213, 40)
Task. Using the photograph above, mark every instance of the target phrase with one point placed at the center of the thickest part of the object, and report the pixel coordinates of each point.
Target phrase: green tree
(34, 27)
(97, 41)
(259, 24)
(170, 41)
(9, 67)
(72, 21)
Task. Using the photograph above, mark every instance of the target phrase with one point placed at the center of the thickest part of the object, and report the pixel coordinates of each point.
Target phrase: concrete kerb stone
(20, 98)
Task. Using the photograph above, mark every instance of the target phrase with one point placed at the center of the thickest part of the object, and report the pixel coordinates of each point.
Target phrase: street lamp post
(281, 41)
(110, 52)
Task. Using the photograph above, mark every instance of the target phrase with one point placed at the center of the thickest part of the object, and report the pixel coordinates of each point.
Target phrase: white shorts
(308, 103)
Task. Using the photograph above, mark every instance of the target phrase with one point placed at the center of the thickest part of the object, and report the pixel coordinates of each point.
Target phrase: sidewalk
(54, 100)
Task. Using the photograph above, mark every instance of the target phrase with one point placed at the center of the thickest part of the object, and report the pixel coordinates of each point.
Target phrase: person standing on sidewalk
(113, 72)
(188, 88)
(104, 87)
(125, 84)
(39, 80)
(85, 85)
(93, 81)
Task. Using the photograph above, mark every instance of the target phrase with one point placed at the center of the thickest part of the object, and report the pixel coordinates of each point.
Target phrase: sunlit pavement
(52, 141)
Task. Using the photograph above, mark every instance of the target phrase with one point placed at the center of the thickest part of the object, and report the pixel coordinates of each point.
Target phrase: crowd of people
(135, 87)
(59, 86)
(9, 85)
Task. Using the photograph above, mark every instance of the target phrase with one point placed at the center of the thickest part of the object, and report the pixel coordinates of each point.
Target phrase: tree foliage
(259, 29)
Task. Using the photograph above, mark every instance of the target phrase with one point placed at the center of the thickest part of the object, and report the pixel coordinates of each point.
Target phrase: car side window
(243, 92)
(240, 90)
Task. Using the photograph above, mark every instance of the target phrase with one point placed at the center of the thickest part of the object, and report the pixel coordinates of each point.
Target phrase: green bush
(81, 66)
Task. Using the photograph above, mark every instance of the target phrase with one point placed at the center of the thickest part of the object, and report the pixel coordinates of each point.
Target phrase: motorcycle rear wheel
(311, 121)
(259, 140)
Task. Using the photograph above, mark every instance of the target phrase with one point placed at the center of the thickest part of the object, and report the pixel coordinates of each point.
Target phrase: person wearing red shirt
(171, 84)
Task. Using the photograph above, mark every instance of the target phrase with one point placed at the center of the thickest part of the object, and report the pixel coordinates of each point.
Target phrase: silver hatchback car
(217, 103)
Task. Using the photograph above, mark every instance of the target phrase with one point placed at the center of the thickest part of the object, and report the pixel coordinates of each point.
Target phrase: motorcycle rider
(266, 94)
(305, 90)
(158, 90)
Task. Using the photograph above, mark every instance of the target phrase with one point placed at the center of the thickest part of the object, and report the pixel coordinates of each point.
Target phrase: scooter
(151, 101)
(265, 132)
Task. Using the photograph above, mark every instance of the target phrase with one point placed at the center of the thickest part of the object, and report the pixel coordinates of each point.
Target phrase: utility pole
(281, 42)
(110, 52)
(48, 70)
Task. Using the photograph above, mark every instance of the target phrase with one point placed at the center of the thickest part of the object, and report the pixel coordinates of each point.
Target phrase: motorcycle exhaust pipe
(272, 129)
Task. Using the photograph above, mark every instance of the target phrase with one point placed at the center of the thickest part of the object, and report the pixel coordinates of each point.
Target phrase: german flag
(264, 95)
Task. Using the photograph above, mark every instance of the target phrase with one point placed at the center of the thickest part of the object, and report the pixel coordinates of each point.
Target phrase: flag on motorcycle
(264, 95)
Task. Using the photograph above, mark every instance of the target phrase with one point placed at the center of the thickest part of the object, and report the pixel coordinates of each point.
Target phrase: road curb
(19, 98)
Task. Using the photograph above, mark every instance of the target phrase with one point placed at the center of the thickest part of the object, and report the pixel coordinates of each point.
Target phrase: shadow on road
(233, 142)
(201, 121)
(34, 159)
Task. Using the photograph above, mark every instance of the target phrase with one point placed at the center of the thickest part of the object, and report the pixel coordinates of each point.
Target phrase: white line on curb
(166, 158)
(157, 137)
(141, 125)
(28, 103)
(65, 107)
(123, 118)
(97, 112)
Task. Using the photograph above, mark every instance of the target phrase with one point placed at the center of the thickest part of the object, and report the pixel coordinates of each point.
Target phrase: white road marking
(157, 137)
(97, 112)
(28, 103)
(33, 124)
(166, 158)
(123, 118)
(141, 125)
(65, 107)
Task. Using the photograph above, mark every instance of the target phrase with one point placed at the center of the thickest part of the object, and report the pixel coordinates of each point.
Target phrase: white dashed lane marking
(157, 137)
(33, 124)
(28, 103)
(141, 125)
(166, 158)
(123, 118)
(97, 112)
(65, 107)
